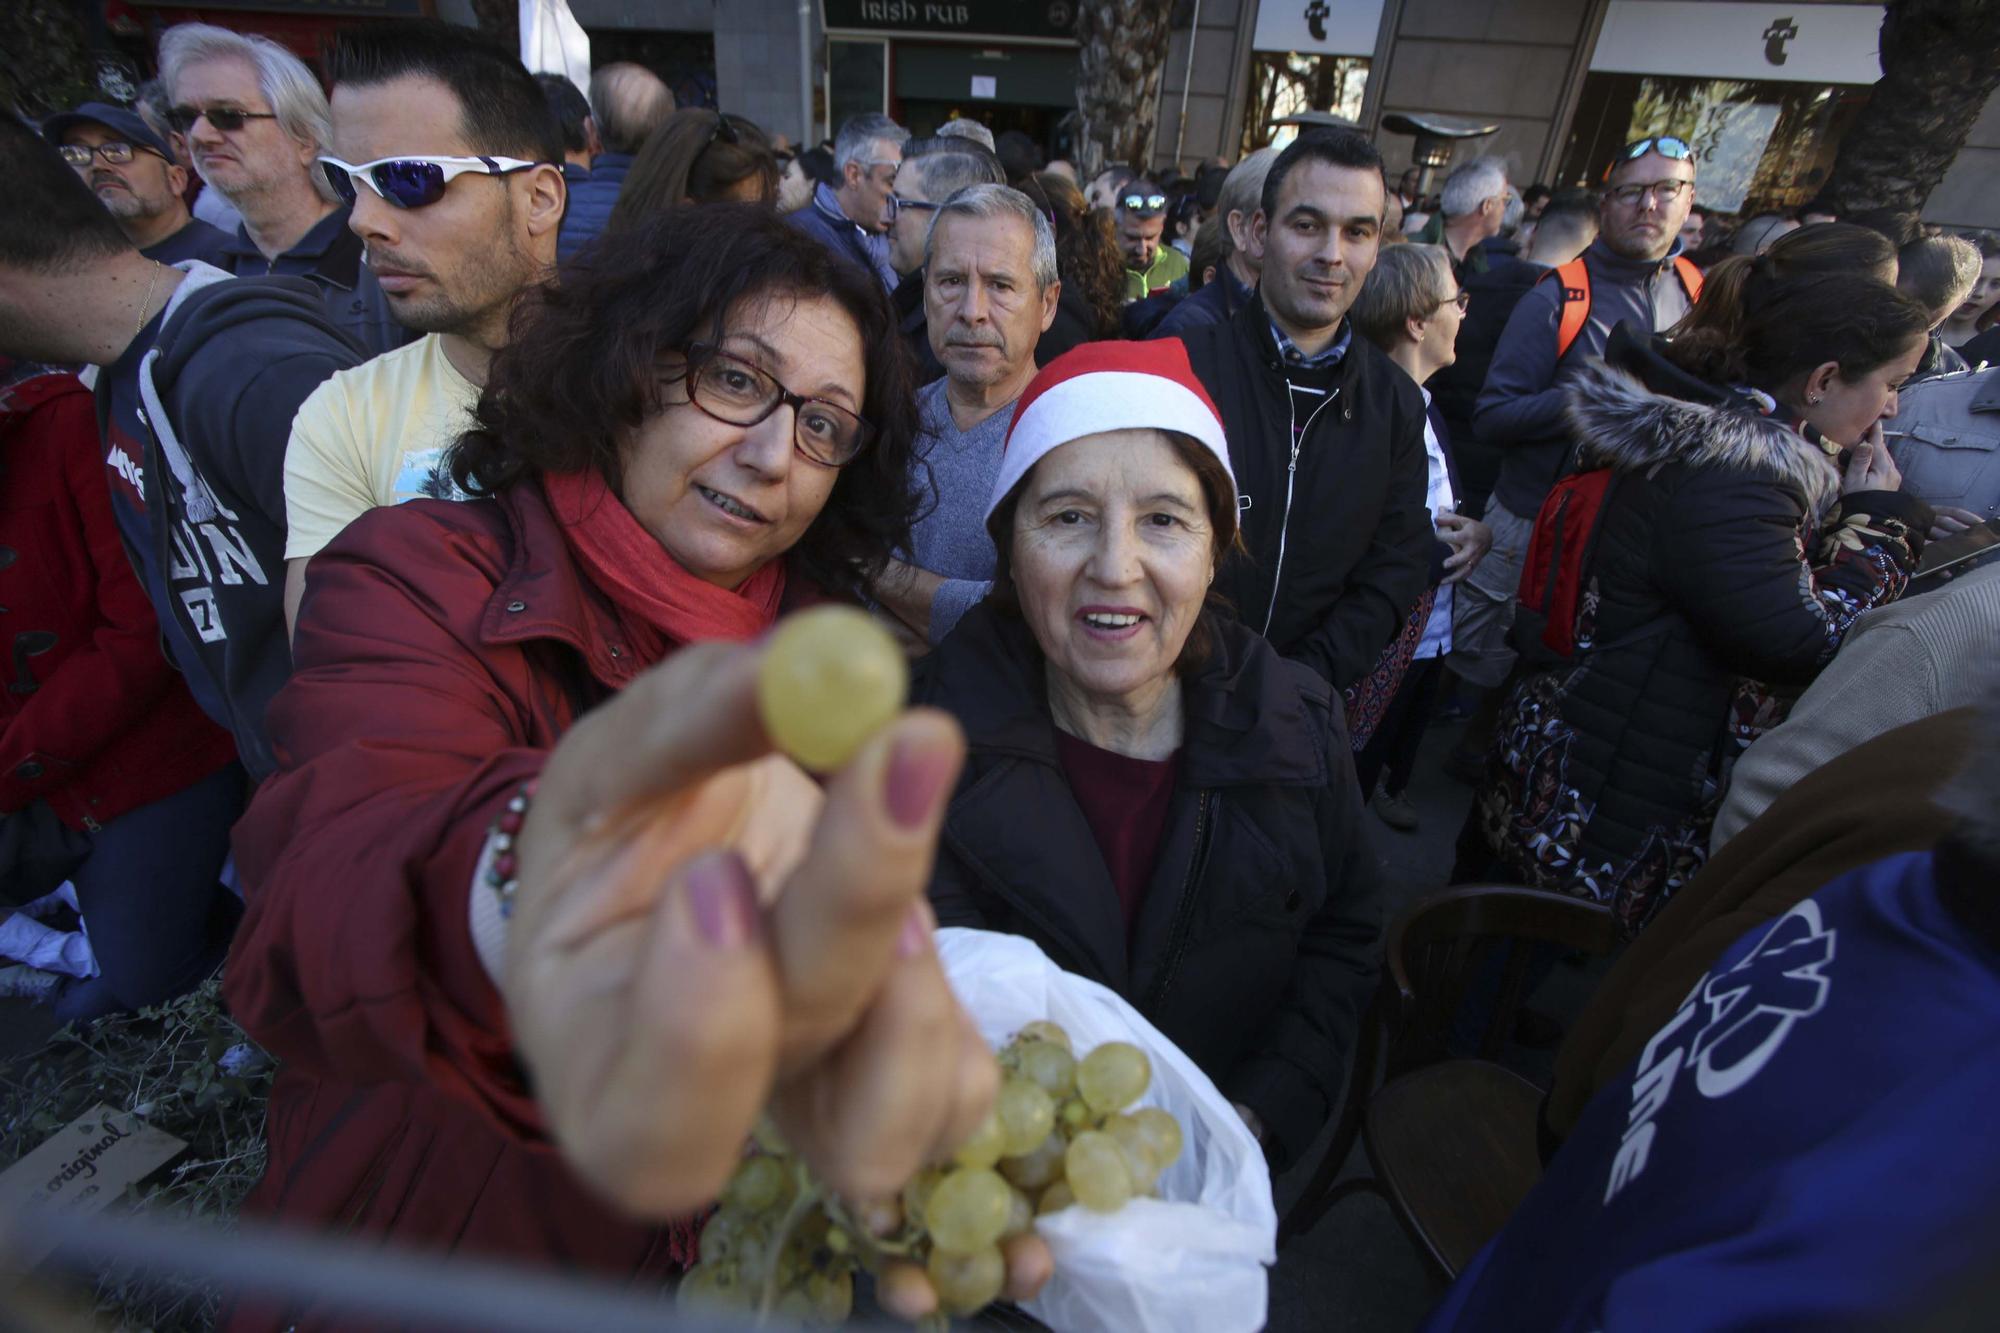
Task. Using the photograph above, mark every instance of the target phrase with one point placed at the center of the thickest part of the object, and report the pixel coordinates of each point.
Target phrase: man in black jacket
(1325, 434)
(1568, 224)
(199, 377)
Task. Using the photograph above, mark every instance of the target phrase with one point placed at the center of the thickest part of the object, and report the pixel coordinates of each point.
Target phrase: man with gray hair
(1236, 280)
(627, 102)
(990, 291)
(255, 123)
(961, 128)
(932, 171)
(1471, 209)
(853, 219)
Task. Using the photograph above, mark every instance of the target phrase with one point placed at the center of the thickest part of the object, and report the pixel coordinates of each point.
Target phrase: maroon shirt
(1126, 801)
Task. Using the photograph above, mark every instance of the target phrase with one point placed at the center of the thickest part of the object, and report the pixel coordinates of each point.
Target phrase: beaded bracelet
(500, 871)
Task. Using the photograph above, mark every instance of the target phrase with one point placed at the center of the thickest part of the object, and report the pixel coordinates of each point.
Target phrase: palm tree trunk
(1938, 70)
(1123, 50)
(500, 20)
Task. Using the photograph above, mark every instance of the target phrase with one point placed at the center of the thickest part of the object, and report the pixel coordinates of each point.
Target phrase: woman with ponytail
(1753, 512)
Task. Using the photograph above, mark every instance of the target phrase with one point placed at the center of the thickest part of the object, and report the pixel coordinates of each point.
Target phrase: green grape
(1032, 1171)
(831, 678)
(759, 1185)
(1043, 1030)
(1075, 1115)
(1026, 1114)
(713, 1287)
(1055, 1198)
(1049, 1065)
(1096, 1172)
(1113, 1076)
(753, 1248)
(987, 1145)
(1162, 1133)
(832, 1296)
(917, 1195)
(721, 1236)
(967, 1283)
(1020, 1214)
(1132, 1141)
(768, 1138)
(794, 1307)
(968, 1210)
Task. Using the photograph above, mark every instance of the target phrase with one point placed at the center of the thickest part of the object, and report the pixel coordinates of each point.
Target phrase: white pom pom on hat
(1106, 386)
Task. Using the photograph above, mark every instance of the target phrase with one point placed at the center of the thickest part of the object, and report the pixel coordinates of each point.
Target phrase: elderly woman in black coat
(1753, 514)
(1154, 795)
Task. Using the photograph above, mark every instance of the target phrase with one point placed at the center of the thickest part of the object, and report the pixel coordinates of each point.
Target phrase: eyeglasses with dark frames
(1665, 192)
(1463, 301)
(737, 393)
(114, 151)
(227, 119)
(897, 204)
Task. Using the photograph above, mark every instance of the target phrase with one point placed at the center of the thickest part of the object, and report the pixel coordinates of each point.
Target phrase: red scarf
(655, 597)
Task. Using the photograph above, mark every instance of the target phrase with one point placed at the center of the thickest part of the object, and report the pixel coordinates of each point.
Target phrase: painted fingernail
(916, 936)
(723, 897)
(918, 777)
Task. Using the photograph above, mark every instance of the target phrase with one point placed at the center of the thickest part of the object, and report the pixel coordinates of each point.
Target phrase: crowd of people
(402, 473)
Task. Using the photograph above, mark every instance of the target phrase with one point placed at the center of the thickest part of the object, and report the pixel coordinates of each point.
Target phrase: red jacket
(442, 649)
(93, 718)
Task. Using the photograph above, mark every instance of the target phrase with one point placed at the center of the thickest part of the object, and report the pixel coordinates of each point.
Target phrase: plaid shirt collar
(1289, 353)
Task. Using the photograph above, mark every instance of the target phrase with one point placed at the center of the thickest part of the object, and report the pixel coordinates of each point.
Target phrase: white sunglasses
(414, 181)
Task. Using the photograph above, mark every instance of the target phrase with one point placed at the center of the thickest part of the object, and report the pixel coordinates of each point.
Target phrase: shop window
(857, 75)
(1284, 83)
(1764, 146)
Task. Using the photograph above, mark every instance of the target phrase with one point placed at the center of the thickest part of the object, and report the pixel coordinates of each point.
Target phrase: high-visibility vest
(1575, 279)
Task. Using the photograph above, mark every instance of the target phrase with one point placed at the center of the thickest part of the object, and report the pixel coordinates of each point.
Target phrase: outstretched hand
(700, 932)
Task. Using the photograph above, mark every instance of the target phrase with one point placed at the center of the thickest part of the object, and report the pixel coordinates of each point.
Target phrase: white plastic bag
(1191, 1261)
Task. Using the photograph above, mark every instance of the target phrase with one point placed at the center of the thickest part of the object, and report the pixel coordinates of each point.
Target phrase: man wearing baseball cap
(134, 175)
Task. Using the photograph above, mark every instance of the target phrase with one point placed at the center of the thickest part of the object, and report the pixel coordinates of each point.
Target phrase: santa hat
(1106, 386)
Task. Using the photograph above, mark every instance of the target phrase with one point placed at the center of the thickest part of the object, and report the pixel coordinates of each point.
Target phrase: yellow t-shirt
(373, 435)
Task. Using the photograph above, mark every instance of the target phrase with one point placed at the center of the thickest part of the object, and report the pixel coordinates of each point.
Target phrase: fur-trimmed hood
(1627, 426)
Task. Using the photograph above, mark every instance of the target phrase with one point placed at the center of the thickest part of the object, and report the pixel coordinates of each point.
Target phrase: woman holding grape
(537, 923)
(1153, 795)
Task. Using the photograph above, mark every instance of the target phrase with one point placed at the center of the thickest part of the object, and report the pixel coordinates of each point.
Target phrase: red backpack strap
(1575, 280)
(1690, 277)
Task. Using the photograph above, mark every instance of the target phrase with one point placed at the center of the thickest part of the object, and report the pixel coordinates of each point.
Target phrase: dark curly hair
(1087, 255)
(579, 371)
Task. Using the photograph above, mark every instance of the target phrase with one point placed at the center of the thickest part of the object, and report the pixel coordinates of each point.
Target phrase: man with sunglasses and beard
(452, 168)
(254, 121)
(133, 174)
(1632, 277)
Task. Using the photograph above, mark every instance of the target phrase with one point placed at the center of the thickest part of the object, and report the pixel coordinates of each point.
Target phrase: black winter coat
(1255, 949)
(1726, 571)
(1338, 529)
(1455, 389)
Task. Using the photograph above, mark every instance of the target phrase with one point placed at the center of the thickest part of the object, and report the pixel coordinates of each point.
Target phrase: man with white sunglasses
(254, 119)
(451, 166)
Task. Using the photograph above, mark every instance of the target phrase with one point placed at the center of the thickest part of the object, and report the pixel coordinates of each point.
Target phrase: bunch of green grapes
(1062, 1134)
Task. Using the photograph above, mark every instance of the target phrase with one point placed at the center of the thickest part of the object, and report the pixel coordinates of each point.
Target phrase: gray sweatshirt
(955, 472)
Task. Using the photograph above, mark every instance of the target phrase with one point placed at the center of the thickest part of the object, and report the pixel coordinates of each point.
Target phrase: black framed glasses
(1665, 192)
(412, 182)
(114, 151)
(1463, 301)
(227, 119)
(1142, 203)
(736, 393)
(897, 204)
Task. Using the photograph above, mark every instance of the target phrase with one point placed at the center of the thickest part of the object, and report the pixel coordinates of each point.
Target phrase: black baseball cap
(118, 119)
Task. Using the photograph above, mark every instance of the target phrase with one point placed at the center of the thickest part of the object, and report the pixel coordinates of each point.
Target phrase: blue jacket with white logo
(1807, 1144)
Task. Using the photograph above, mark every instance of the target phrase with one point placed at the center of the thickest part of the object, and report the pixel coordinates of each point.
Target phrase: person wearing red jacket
(507, 1024)
(110, 775)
